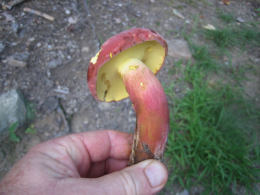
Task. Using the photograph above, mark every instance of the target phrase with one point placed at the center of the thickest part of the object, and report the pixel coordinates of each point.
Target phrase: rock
(12, 109)
(67, 12)
(240, 20)
(187, 21)
(72, 20)
(38, 44)
(2, 47)
(85, 49)
(118, 20)
(184, 192)
(178, 49)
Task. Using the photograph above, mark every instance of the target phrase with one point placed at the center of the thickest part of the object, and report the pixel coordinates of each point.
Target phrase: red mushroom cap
(112, 48)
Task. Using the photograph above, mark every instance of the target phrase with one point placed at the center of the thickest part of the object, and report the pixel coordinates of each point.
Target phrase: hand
(85, 163)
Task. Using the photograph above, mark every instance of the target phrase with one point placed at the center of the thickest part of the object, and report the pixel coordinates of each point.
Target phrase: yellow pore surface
(110, 86)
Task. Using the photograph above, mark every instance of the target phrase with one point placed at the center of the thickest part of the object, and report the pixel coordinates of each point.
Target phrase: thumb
(146, 177)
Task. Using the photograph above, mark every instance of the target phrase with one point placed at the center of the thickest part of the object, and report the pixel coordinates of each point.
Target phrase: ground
(56, 54)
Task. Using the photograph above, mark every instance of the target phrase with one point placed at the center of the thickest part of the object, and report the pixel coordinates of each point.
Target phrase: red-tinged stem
(151, 107)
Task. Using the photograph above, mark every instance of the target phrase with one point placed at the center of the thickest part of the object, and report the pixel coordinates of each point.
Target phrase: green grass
(30, 111)
(12, 132)
(225, 17)
(203, 57)
(258, 11)
(209, 143)
(214, 136)
(30, 130)
(214, 139)
(234, 36)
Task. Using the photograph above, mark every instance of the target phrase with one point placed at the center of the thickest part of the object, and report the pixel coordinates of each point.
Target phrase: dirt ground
(57, 53)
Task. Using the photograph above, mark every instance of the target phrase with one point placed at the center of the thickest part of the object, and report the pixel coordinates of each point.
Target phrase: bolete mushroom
(125, 66)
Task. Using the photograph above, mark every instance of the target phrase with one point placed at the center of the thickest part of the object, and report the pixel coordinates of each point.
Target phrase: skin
(86, 163)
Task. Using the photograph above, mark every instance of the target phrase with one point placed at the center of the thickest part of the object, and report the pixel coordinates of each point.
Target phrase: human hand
(85, 163)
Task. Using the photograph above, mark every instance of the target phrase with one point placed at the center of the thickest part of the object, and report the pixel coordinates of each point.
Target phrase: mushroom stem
(151, 107)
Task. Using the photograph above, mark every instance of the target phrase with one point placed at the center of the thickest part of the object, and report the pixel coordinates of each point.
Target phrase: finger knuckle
(129, 184)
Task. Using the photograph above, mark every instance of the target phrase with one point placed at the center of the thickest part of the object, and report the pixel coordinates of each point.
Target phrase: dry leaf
(226, 2)
(209, 27)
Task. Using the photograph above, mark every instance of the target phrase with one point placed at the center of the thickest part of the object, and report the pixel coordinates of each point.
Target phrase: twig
(11, 4)
(38, 13)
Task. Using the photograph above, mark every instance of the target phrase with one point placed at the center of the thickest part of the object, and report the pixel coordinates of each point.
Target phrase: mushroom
(125, 66)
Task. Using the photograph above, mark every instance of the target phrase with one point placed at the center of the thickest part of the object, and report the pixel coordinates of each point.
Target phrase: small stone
(240, 20)
(67, 12)
(72, 20)
(187, 21)
(178, 49)
(49, 47)
(48, 72)
(117, 20)
(138, 14)
(31, 39)
(85, 49)
(38, 44)
(12, 109)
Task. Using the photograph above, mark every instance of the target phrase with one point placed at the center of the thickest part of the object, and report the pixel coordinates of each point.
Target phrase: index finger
(84, 149)
(102, 145)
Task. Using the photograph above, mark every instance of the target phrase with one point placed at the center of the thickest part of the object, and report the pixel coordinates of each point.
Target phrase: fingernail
(156, 174)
